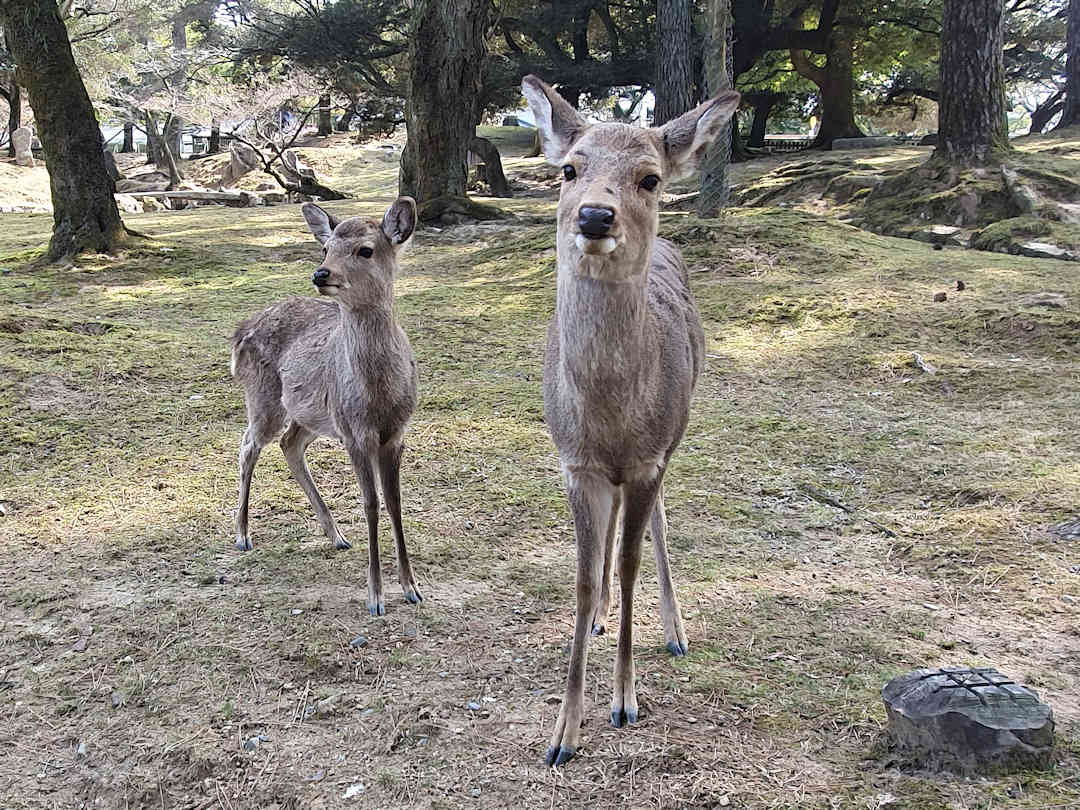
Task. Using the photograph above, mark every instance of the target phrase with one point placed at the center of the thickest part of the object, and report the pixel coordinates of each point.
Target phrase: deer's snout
(320, 277)
(595, 221)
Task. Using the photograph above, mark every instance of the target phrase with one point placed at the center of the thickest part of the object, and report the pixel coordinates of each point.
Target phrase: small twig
(823, 497)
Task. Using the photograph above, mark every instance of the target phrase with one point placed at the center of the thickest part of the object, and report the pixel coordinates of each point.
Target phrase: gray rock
(943, 235)
(128, 204)
(1045, 250)
(929, 140)
(970, 720)
(21, 140)
(862, 143)
(358, 642)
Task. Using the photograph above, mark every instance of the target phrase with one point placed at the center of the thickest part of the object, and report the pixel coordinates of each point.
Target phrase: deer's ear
(320, 222)
(688, 137)
(558, 122)
(400, 221)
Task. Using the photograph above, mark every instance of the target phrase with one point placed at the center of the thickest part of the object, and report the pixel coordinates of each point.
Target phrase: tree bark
(154, 153)
(674, 80)
(971, 115)
(715, 188)
(446, 54)
(128, 146)
(1042, 114)
(85, 217)
(1071, 114)
(836, 81)
(325, 124)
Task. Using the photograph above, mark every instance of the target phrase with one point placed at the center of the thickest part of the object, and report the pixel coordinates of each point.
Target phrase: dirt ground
(144, 663)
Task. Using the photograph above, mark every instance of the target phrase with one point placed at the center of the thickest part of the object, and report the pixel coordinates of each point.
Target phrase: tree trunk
(971, 115)
(1071, 114)
(446, 54)
(128, 146)
(763, 107)
(14, 111)
(85, 217)
(325, 127)
(674, 80)
(493, 172)
(715, 188)
(154, 153)
(172, 139)
(215, 138)
(1042, 114)
(836, 81)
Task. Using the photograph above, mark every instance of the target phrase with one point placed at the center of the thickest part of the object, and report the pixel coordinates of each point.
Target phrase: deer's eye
(568, 172)
(365, 252)
(649, 182)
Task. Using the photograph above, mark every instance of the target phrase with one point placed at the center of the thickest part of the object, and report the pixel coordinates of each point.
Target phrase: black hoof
(558, 756)
(413, 597)
(243, 544)
(341, 544)
(621, 717)
(377, 610)
(598, 629)
(677, 649)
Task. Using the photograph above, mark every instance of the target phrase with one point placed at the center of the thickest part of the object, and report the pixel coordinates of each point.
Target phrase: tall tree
(971, 116)
(1071, 114)
(836, 81)
(84, 209)
(674, 78)
(446, 55)
(715, 188)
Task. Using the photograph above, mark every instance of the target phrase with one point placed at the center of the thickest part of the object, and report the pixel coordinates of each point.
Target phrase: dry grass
(131, 626)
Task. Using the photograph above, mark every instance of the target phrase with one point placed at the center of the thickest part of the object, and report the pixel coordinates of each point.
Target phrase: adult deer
(342, 368)
(623, 355)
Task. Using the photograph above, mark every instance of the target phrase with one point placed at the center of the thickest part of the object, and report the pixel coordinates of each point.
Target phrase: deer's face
(360, 257)
(612, 179)
(613, 175)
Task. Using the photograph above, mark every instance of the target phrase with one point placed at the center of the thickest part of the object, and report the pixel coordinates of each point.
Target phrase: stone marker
(971, 720)
(21, 140)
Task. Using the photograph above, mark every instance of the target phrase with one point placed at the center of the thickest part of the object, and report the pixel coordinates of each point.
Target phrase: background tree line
(255, 66)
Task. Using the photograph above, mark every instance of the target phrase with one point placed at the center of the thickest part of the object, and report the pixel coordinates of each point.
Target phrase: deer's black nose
(319, 277)
(595, 222)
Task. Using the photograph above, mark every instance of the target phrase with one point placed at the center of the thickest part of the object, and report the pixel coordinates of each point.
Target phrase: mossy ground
(131, 625)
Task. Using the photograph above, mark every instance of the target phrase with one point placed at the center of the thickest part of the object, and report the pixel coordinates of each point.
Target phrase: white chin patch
(594, 246)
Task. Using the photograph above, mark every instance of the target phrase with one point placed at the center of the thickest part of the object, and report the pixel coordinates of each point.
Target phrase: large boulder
(968, 720)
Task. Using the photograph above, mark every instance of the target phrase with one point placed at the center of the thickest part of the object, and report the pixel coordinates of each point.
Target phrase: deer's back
(262, 341)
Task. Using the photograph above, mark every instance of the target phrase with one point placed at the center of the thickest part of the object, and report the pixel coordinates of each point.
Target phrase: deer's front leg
(599, 625)
(362, 453)
(591, 497)
(640, 496)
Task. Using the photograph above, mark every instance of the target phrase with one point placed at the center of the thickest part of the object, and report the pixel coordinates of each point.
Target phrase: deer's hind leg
(670, 614)
(390, 477)
(265, 420)
(294, 443)
(599, 625)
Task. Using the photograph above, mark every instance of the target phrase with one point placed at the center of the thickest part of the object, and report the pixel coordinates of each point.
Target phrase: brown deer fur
(337, 366)
(624, 352)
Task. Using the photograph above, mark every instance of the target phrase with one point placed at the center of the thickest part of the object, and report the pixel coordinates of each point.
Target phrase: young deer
(623, 356)
(343, 368)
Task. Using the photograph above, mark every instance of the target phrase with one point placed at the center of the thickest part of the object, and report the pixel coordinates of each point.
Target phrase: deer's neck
(367, 335)
(603, 328)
